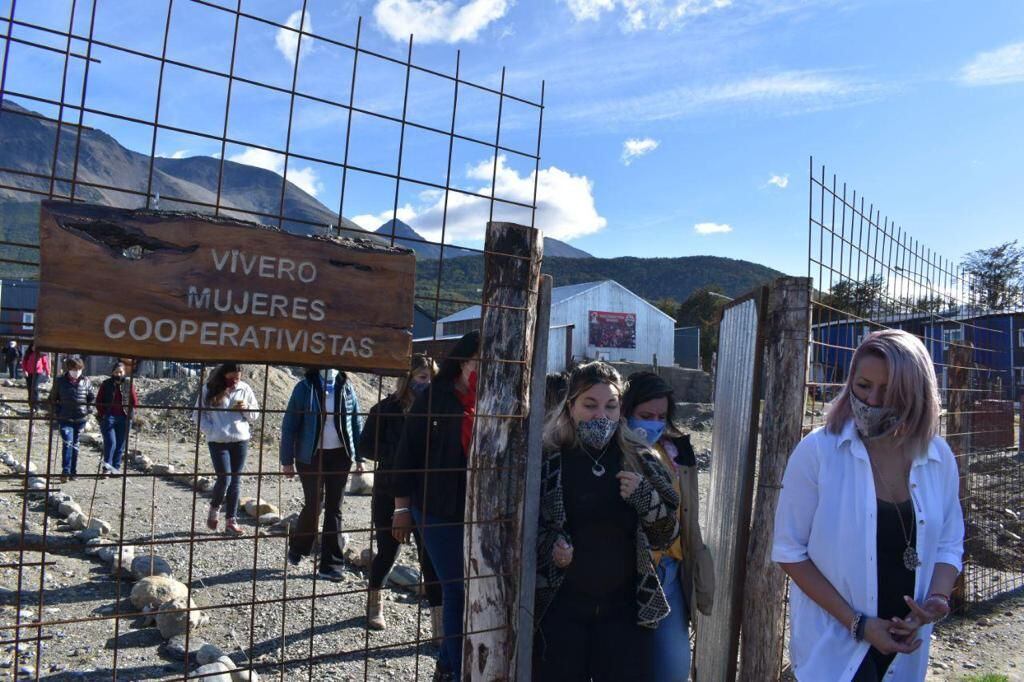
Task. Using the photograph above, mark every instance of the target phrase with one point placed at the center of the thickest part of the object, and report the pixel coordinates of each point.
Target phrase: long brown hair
(404, 391)
(560, 431)
(217, 384)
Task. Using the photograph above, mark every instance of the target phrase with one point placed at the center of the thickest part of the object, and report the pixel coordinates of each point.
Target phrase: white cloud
(809, 89)
(304, 178)
(565, 205)
(997, 67)
(433, 21)
(636, 147)
(180, 154)
(780, 181)
(711, 228)
(287, 42)
(638, 15)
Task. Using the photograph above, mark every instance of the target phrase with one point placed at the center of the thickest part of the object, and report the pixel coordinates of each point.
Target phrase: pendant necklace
(597, 469)
(910, 559)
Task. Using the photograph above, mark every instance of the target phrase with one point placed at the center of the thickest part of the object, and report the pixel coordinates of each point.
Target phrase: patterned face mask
(872, 422)
(596, 433)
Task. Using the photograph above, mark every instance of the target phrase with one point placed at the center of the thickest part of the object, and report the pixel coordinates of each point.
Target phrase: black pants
(12, 368)
(383, 506)
(323, 486)
(31, 380)
(582, 638)
(874, 666)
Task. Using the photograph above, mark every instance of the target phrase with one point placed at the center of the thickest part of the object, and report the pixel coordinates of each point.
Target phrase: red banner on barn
(612, 330)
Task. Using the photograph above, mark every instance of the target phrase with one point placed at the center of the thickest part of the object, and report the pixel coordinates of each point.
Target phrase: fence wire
(168, 105)
(869, 273)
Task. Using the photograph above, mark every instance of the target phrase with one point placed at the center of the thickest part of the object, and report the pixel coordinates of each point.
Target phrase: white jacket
(220, 423)
(827, 513)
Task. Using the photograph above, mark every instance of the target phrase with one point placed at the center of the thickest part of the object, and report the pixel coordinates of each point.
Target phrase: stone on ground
(152, 591)
(405, 577)
(175, 647)
(213, 672)
(208, 653)
(256, 508)
(172, 618)
(145, 566)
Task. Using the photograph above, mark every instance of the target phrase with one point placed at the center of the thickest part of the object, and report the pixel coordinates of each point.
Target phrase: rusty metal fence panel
(66, 590)
(869, 273)
(734, 442)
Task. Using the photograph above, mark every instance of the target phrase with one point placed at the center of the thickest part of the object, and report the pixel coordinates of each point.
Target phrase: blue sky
(671, 128)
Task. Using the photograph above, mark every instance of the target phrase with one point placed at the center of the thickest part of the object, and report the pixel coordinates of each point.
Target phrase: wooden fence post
(498, 455)
(531, 497)
(959, 401)
(786, 333)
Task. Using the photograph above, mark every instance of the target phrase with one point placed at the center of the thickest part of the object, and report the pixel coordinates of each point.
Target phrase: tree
(701, 310)
(863, 298)
(667, 305)
(998, 272)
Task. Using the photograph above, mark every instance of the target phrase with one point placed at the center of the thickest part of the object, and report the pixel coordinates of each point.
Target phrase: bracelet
(855, 625)
(859, 635)
(400, 510)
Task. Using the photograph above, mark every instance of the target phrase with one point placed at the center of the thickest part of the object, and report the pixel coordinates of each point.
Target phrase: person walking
(224, 408)
(869, 526)
(685, 569)
(12, 358)
(319, 432)
(430, 484)
(381, 437)
(71, 401)
(116, 401)
(606, 504)
(36, 367)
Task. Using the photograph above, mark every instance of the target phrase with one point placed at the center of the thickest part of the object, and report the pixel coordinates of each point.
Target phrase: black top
(894, 580)
(434, 443)
(379, 441)
(601, 524)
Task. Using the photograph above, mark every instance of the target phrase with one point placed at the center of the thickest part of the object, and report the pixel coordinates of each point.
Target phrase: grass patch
(989, 677)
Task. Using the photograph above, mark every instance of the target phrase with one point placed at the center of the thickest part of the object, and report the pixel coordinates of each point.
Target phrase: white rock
(172, 618)
(68, 508)
(99, 525)
(269, 519)
(404, 576)
(163, 469)
(245, 676)
(258, 508)
(77, 521)
(32, 468)
(36, 483)
(226, 661)
(153, 591)
(87, 534)
(213, 672)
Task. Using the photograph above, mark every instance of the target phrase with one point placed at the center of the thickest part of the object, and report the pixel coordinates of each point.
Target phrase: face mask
(329, 375)
(419, 388)
(596, 433)
(118, 379)
(872, 422)
(651, 430)
(75, 373)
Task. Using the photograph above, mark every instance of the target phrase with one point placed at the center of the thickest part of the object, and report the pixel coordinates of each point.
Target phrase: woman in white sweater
(224, 408)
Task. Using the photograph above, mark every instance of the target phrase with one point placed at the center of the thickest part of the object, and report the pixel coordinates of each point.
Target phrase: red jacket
(35, 362)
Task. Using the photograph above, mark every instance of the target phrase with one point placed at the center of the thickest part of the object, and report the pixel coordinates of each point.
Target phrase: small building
(422, 322)
(594, 320)
(18, 299)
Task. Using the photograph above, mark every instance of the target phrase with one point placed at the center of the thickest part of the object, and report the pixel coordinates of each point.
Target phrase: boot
(375, 611)
(436, 623)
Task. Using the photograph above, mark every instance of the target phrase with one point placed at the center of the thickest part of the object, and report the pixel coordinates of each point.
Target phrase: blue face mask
(419, 388)
(652, 430)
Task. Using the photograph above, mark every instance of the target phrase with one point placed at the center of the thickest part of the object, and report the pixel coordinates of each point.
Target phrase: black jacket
(379, 441)
(433, 443)
(12, 354)
(71, 401)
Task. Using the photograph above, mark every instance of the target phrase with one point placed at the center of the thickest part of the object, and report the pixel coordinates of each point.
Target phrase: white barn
(599, 320)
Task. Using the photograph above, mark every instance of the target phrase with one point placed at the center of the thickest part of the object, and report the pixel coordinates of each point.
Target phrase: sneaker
(213, 517)
(294, 558)
(63, 478)
(109, 470)
(232, 527)
(336, 574)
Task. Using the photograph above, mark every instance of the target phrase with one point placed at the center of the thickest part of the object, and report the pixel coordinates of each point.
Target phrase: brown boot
(375, 611)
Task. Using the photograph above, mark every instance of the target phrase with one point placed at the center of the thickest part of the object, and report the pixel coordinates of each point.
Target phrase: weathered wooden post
(498, 458)
(786, 333)
(959, 399)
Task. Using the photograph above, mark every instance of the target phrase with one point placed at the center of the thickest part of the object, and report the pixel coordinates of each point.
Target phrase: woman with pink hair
(869, 526)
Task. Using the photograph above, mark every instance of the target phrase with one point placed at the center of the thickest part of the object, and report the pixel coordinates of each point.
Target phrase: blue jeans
(228, 462)
(114, 428)
(672, 637)
(444, 547)
(69, 432)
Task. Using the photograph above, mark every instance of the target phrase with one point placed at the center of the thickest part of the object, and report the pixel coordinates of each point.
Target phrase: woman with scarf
(430, 484)
(685, 569)
(606, 504)
(115, 404)
(869, 526)
(71, 400)
(381, 437)
(319, 432)
(223, 411)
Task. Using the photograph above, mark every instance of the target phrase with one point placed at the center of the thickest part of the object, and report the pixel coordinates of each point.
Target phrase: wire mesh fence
(241, 110)
(869, 274)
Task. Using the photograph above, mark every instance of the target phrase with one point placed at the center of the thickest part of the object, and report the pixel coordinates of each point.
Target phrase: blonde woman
(869, 526)
(606, 502)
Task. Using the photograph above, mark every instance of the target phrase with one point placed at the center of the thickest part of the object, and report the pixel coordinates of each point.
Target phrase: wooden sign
(169, 285)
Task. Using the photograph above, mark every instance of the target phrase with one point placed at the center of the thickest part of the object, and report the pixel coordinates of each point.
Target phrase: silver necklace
(597, 469)
(910, 559)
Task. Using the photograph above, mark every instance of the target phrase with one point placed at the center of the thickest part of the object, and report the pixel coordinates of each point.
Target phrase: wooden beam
(786, 333)
(498, 456)
(531, 498)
